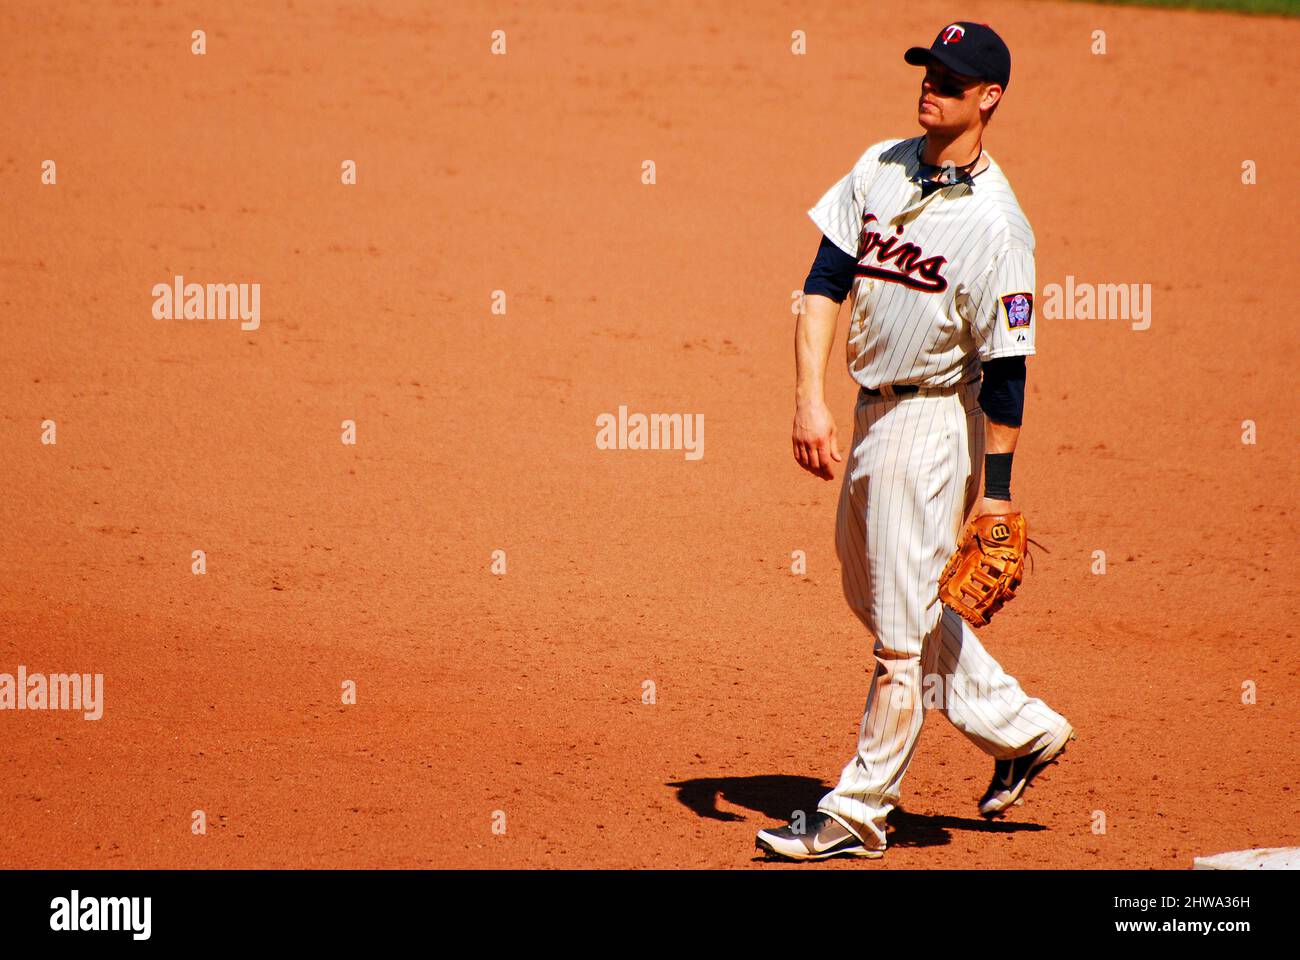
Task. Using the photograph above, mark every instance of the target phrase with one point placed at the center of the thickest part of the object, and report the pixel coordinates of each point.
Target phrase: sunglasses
(948, 84)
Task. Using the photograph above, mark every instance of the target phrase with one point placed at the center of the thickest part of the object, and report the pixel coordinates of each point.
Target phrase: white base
(1268, 858)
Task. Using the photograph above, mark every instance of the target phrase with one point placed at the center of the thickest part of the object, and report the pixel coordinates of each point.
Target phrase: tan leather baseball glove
(987, 566)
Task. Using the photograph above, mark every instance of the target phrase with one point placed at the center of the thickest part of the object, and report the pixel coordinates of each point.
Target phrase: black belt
(896, 388)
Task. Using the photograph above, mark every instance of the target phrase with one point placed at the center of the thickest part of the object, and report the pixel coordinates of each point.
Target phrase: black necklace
(929, 171)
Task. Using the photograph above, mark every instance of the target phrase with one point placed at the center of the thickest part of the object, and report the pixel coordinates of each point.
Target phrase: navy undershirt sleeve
(1002, 392)
(832, 272)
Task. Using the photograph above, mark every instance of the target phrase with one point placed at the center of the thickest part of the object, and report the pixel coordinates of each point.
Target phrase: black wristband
(997, 476)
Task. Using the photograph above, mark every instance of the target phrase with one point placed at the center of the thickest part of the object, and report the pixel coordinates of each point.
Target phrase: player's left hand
(985, 570)
(986, 505)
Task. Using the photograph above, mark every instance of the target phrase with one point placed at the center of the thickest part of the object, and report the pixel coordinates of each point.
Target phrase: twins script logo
(910, 266)
(953, 34)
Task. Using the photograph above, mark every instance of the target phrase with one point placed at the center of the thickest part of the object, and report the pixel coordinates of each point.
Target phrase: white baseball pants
(911, 479)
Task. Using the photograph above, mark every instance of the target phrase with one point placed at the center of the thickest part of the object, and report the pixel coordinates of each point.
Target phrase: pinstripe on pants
(911, 479)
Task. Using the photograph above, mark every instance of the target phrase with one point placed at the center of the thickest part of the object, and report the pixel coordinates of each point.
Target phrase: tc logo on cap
(953, 34)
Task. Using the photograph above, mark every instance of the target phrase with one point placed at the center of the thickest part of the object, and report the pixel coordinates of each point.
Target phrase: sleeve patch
(1019, 309)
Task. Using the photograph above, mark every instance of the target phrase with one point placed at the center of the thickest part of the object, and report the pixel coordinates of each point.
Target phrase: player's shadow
(916, 830)
(777, 796)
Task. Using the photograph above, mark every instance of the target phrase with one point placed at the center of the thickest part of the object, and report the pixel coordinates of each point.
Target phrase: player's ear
(989, 100)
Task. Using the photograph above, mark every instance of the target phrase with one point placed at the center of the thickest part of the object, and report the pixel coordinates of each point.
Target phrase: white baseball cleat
(822, 838)
(1011, 777)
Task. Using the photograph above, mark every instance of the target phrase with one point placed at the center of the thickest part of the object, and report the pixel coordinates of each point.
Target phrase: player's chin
(929, 119)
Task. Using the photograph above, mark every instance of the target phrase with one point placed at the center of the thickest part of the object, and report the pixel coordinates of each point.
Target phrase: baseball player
(927, 239)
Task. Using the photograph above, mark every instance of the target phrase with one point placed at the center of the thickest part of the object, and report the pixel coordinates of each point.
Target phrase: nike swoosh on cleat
(819, 848)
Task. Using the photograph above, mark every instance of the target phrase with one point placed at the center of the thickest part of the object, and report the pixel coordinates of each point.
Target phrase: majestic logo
(1019, 308)
(953, 34)
(899, 262)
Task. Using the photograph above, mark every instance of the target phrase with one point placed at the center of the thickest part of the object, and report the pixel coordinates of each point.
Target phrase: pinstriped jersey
(943, 280)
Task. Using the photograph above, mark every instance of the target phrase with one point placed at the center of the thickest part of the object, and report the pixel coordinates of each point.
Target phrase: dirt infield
(522, 692)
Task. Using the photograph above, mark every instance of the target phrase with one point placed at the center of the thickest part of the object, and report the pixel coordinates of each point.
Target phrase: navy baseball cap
(971, 49)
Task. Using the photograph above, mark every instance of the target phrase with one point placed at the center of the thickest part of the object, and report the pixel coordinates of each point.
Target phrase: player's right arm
(838, 214)
(815, 445)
